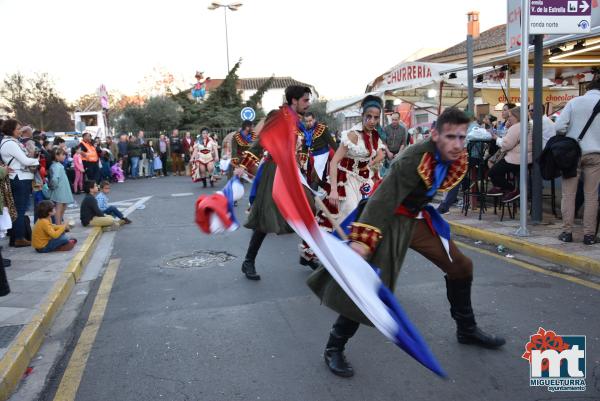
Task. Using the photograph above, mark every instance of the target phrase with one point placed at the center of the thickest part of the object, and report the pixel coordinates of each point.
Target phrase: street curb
(24, 347)
(581, 263)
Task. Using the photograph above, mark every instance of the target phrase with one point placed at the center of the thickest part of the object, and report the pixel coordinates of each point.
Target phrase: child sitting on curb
(48, 237)
(90, 213)
(102, 200)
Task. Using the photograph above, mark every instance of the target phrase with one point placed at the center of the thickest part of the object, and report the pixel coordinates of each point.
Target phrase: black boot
(212, 182)
(467, 332)
(313, 264)
(204, 183)
(248, 267)
(334, 356)
(342, 330)
(249, 270)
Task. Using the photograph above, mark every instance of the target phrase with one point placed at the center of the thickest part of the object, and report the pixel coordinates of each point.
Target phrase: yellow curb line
(69, 384)
(577, 262)
(29, 340)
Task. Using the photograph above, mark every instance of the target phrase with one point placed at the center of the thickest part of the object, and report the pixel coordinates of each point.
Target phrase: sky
(336, 46)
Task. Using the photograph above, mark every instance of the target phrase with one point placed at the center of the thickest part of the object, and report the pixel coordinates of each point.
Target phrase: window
(422, 118)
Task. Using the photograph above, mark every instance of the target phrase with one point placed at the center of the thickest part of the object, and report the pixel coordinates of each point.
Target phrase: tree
(35, 101)
(157, 114)
(222, 108)
(161, 113)
(256, 99)
(16, 94)
(319, 109)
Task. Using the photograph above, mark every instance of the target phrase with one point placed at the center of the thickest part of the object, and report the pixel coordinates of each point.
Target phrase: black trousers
(92, 171)
(255, 242)
(163, 160)
(498, 174)
(344, 327)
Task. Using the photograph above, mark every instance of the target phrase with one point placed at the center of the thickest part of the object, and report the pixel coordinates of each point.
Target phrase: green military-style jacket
(407, 183)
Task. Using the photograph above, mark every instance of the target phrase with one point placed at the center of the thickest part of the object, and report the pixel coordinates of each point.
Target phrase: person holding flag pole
(398, 216)
(264, 215)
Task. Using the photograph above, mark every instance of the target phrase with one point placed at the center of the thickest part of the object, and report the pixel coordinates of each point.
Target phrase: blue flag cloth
(440, 225)
(439, 173)
(308, 133)
(228, 192)
(254, 187)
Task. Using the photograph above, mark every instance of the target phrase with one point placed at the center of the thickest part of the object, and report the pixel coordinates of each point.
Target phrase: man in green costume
(393, 220)
(264, 216)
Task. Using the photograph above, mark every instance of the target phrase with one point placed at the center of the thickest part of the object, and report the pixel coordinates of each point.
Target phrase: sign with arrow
(559, 16)
(248, 113)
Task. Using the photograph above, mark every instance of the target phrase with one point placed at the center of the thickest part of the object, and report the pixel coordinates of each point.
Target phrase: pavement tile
(41, 276)
(10, 316)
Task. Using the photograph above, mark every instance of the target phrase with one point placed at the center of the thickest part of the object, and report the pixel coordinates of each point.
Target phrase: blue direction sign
(559, 16)
(248, 113)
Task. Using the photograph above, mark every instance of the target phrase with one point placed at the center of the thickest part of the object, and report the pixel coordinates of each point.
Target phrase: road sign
(559, 16)
(248, 113)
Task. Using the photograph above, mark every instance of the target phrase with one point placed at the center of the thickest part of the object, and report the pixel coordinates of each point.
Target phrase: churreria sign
(556, 362)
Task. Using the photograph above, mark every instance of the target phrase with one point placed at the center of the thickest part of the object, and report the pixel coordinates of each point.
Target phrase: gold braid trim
(366, 235)
(242, 142)
(456, 171)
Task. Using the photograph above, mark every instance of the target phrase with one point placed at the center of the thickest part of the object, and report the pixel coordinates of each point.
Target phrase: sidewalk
(40, 284)
(542, 241)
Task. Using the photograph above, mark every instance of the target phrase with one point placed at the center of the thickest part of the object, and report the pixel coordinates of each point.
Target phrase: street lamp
(232, 7)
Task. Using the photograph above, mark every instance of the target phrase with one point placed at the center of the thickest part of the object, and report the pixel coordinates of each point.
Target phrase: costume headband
(372, 103)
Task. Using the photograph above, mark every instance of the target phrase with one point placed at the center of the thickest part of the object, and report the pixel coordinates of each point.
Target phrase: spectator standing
(90, 157)
(151, 154)
(176, 152)
(27, 140)
(123, 154)
(48, 237)
(102, 199)
(571, 122)
(134, 150)
(396, 137)
(79, 171)
(113, 148)
(90, 213)
(187, 144)
(21, 170)
(548, 128)
(163, 152)
(58, 183)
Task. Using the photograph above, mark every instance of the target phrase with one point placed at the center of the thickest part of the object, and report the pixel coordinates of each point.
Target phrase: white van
(93, 122)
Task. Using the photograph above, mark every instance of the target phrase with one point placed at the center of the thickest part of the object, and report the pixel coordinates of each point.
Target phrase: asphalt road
(210, 334)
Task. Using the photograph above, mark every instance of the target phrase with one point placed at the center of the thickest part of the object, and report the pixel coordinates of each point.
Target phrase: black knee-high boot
(248, 267)
(342, 330)
(204, 182)
(467, 332)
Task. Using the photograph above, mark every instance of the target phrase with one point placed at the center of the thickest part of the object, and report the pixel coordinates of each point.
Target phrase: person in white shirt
(571, 122)
(21, 169)
(548, 129)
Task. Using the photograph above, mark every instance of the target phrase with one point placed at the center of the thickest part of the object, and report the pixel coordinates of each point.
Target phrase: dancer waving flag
(352, 273)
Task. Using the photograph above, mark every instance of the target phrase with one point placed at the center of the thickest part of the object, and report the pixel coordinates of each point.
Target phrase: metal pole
(470, 73)
(522, 231)
(226, 38)
(536, 178)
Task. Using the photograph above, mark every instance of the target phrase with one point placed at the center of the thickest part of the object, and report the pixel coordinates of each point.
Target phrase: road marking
(137, 204)
(67, 390)
(182, 194)
(531, 267)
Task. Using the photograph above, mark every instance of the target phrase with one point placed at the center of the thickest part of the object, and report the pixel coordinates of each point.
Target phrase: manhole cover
(8, 333)
(199, 260)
